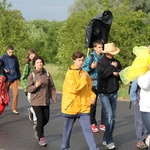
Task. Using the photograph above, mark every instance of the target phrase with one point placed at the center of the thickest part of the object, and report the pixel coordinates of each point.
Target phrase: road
(16, 131)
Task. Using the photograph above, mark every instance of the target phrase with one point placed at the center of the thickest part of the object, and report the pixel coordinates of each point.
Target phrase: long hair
(30, 51)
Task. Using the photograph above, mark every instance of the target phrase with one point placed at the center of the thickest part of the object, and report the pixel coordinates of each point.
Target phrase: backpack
(33, 75)
(4, 94)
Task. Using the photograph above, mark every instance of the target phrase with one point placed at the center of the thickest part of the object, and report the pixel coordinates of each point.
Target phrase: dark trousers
(42, 114)
(93, 110)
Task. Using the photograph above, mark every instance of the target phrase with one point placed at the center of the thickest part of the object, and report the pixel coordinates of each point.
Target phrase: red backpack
(4, 95)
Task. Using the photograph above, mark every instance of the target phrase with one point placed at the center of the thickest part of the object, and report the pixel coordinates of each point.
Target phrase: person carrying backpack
(90, 65)
(42, 89)
(28, 68)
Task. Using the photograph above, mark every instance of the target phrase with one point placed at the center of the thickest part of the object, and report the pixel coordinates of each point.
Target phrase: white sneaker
(104, 143)
(110, 146)
(147, 141)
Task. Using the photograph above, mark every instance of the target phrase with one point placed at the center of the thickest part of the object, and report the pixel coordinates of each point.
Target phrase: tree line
(55, 41)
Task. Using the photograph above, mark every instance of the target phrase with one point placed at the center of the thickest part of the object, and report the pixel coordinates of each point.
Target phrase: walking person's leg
(14, 86)
(93, 113)
(67, 130)
(39, 128)
(40, 122)
(109, 103)
(102, 124)
(141, 132)
(113, 102)
(146, 122)
(46, 114)
(86, 128)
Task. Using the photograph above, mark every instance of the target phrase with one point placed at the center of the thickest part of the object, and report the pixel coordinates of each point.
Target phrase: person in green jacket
(28, 68)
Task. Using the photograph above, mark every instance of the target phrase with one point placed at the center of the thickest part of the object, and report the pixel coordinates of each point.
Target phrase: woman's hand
(38, 83)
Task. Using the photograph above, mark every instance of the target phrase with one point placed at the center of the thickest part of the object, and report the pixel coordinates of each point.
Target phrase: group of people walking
(37, 84)
(86, 81)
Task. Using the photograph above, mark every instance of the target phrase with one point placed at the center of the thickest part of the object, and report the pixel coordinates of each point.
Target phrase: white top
(144, 83)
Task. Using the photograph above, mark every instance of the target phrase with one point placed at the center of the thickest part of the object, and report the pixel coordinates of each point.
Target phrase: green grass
(54, 71)
(58, 81)
(123, 92)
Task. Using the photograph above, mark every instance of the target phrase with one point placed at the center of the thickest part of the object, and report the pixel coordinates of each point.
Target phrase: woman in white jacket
(144, 83)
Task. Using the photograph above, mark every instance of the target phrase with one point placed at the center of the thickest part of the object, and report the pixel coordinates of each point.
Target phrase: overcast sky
(42, 9)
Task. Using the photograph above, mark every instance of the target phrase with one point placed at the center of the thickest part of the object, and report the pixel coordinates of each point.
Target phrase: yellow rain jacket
(77, 93)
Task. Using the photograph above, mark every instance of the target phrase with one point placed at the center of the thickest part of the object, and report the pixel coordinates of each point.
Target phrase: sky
(42, 9)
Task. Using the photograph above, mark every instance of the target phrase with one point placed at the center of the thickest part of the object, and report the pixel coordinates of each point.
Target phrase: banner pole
(88, 50)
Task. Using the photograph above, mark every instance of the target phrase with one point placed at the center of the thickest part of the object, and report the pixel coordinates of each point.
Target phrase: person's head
(30, 55)
(110, 50)
(98, 46)
(78, 59)
(38, 62)
(10, 50)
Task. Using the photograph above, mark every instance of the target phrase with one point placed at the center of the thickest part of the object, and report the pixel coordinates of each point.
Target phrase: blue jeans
(146, 120)
(86, 128)
(109, 105)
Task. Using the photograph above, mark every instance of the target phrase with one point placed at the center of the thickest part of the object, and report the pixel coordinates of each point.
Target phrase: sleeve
(92, 94)
(133, 91)
(72, 85)
(87, 64)
(18, 68)
(104, 71)
(31, 88)
(52, 89)
(24, 77)
(144, 81)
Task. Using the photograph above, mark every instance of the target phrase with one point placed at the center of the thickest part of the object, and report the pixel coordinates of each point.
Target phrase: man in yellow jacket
(76, 101)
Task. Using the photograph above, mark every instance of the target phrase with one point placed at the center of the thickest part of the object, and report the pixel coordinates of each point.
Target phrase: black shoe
(30, 115)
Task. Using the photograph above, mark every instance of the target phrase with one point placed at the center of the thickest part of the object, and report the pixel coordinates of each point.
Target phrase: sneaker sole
(43, 145)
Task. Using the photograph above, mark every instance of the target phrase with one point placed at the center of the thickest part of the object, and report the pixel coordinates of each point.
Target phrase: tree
(12, 30)
(43, 38)
(129, 29)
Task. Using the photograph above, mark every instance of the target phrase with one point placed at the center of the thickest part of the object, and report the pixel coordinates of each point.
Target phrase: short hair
(77, 54)
(10, 47)
(97, 42)
(36, 58)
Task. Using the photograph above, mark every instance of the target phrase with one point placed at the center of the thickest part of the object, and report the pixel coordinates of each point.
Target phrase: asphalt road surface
(16, 131)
